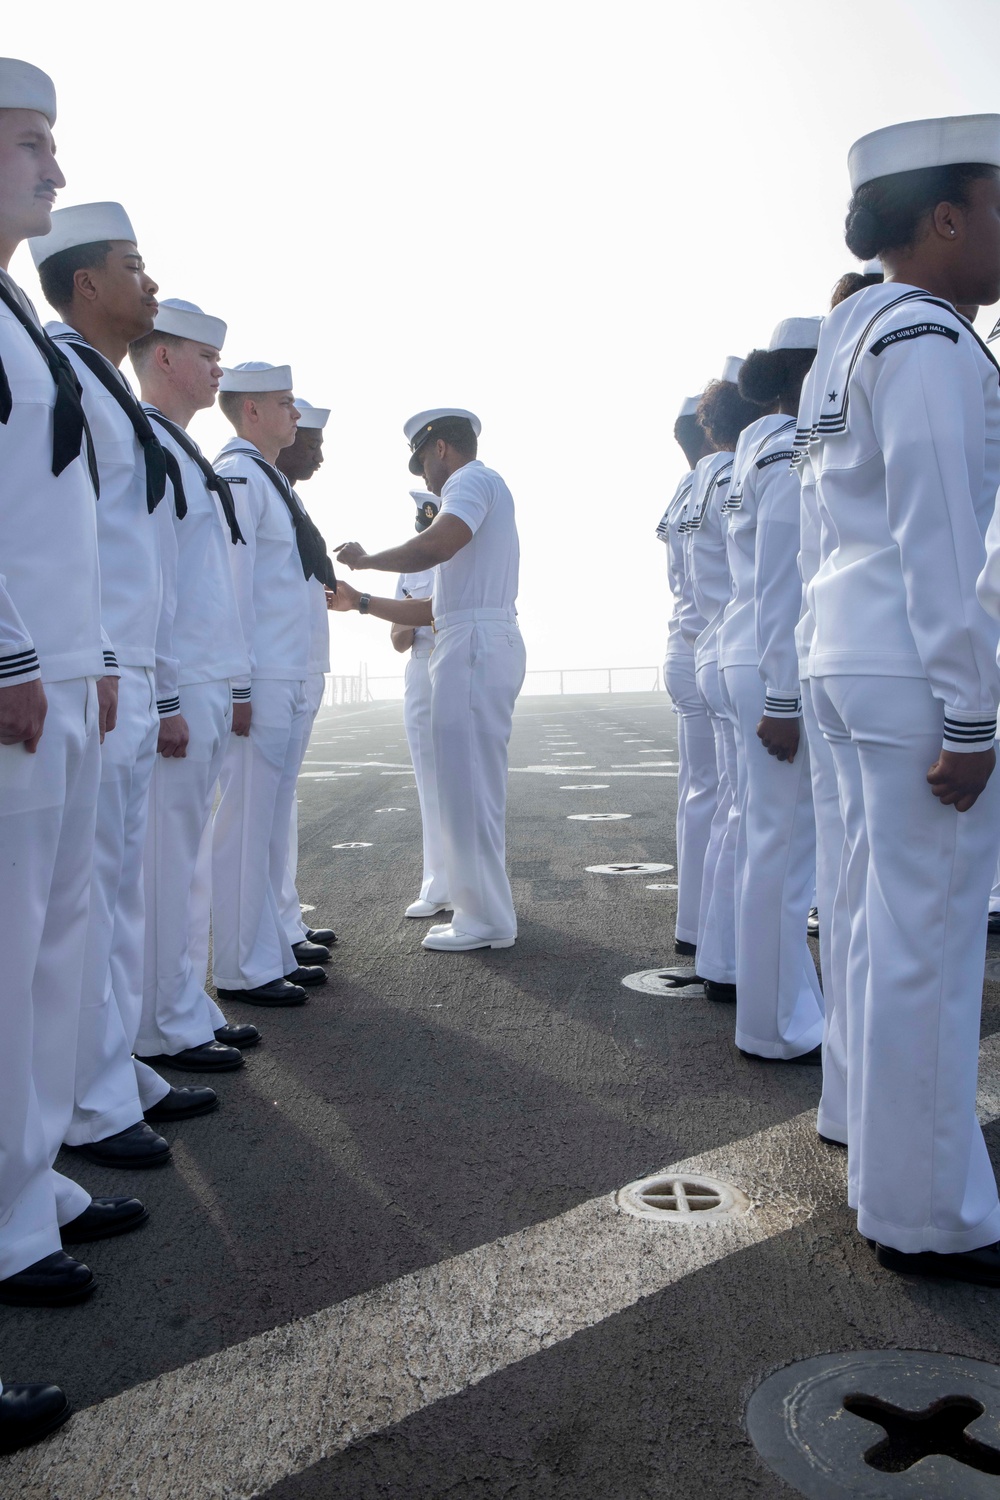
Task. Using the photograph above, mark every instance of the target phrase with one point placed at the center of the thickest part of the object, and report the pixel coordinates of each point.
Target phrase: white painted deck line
(231, 1425)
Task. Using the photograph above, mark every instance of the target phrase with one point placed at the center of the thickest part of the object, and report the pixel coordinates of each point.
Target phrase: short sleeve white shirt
(484, 573)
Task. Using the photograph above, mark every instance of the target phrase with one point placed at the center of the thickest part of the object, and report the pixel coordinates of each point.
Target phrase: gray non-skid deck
(428, 1148)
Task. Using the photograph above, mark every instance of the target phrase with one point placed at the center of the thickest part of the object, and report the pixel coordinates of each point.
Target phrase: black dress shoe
(828, 1140)
(982, 1267)
(812, 922)
(679, 978)
(311, 953)
(308, 974)
(54, 1281)
(684, 949)
(237, 1036)
(105, 1218)
(278, 992)
(993, 923)
(324, 935)
(138, 1146)
(183, 1104)
(210, 1057)
(814, 1057)
(30, 1412)
(724, 992)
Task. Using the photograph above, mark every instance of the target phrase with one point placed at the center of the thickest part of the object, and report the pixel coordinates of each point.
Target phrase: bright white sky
(563, 214)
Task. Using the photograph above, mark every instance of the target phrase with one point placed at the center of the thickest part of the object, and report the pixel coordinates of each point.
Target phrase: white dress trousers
(476, 671)
(834, 919)
(250, 837)
(779, 1009)
(697, 788)
(717, 911)
(417, 723)
(920, 1175)
(176, 1011)
(111, 1089)
(48, 807)
(289, 905)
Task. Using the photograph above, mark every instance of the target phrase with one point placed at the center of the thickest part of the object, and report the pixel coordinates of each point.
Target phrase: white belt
(419, 652)
(477, 616)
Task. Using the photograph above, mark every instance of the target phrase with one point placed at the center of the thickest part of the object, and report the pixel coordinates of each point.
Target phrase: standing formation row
(834, 561)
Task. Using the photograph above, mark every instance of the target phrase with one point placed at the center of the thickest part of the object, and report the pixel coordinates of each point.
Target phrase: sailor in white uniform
(723, 413)
(779, 1012)
(477, 665)
(419, 642)
(901, 422)
(697, 776)
(181, 1027)
(299, 462)
(92, 273)
(273, 573)
(53, 655)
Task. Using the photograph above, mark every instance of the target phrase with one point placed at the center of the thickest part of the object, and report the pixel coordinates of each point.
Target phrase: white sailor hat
(23, 86)
(731, 369)
(425, 502)
(255, 376)
(420, 427)
(186, 321)
(796, 333)
(924, 143)
(689, 406)
(83, 224)
(312, 416)
(873, 268)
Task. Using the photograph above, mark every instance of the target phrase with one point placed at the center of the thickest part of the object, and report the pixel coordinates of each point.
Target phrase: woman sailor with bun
(901, 424)
(779, 1015)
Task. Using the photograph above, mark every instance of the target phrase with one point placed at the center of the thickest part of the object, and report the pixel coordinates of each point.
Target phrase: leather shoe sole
(814, 1057)
(211, 1057)
(981, 1267)
(281, 993)
(30, 1412)
(57, 1280)
(103, 1219)
(183, 1104)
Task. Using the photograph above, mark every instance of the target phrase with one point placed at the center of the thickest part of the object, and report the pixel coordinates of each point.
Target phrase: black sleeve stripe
(19, 664)
(241, 695)
(167, 706)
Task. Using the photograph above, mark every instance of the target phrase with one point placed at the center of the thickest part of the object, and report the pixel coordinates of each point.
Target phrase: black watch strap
(363, 604)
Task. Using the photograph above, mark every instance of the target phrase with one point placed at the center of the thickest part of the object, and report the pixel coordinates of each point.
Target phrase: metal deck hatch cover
(652, 982)
(882, 1423)
(676, 1198)
(623, 869)
(596, 817)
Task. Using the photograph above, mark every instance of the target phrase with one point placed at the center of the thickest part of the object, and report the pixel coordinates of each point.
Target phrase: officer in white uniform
(477, 665)
(697, 776)
(901, 422)
(52, 713)
(179, 372)
(419, 642)
(779, 1014)
(92, 273)
(299, 462)
(272, 573)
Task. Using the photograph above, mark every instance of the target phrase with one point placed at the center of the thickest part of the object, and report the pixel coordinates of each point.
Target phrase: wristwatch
(363, 604)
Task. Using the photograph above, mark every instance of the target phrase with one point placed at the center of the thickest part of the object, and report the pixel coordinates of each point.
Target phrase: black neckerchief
(159, 464)
(69, 427)
(308, 537)
(213, 482)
